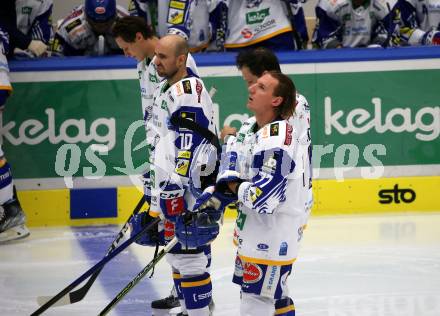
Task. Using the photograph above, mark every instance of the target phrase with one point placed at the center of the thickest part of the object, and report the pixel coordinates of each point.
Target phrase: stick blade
(65, 300)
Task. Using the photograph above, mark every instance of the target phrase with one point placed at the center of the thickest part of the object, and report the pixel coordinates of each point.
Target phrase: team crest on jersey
(274, 129)
(187, 86)
(252, 273)
(199, 89)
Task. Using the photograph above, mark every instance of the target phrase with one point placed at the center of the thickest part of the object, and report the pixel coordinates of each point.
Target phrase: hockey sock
(284, 307)
(197, 292)
(177, 278)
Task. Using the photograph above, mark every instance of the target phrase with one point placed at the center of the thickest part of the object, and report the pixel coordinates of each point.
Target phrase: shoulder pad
(275, 135)
(301, 104)
(78, 11)
(73, 24)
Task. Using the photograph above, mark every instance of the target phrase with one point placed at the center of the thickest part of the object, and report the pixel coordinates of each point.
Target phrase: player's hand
(227, 130)
(37, 47)
(211, 201)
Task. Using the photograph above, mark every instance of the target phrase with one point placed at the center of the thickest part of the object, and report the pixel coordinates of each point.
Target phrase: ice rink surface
(382, 265)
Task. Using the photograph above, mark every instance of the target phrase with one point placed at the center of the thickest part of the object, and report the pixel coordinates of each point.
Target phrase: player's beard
(168, 75)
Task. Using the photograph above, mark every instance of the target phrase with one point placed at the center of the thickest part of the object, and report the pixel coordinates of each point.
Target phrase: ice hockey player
(356, 23)
(175, 180)
(421, 22)
(28, 23)
(87, 30)
(137, 40)
(267, 168)
(12, 217)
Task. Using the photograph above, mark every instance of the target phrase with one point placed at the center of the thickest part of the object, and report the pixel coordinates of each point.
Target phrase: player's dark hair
(285, 89)
(127, 27)
(258, 60)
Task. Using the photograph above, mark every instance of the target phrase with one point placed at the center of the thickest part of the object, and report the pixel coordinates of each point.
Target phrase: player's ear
(181, 60)
(138, 36)
(277, 101)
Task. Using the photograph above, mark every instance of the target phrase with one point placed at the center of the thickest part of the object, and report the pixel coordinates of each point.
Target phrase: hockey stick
(296, 37)
(138, 277)
(96, 267)
(78, 295)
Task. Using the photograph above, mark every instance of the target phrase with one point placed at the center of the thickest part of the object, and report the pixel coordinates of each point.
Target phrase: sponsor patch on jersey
(179, 89)
(26, 10)
(188, 115)
(257, 17)
(153, 180)
(252, 273)
(265, 132)
(168, 230)
(247, 33)
(255, 193)
(182, 167)
(175, 206)
(288, 138)
(69, 27)
(187, 86)
(274, 129)
(262, 247)
(270, 164)
(283, 248)
(184, 154)
(240, 137)
(177, 4)
(164, 105)
(199, 89)
(175, 16)
(153, 78)
(238, 267)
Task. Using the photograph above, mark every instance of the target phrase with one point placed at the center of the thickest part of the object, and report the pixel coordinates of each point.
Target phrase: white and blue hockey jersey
(149, 81)
(275, 198)
(176, 153)
(253, 21)
(338, 23)
(190, 19)
(34, 17)
(420, 18)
